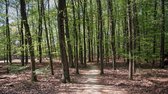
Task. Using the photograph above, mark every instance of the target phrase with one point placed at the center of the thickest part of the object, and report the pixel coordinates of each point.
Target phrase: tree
(84, 30)
(47, 38)
(154, 26)
(40, 9)
(129, 3)
(21, 37)
(112, 30)
(64, 60)
(70, 54)
(29, 38)
(162, 41)
(9, 56)
(76, 36)
(80, 33)
(100, 28)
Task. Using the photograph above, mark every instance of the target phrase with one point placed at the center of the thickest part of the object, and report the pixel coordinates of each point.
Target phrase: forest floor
(89, 81)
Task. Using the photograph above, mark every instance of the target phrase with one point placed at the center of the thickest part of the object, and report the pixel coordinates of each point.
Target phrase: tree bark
(64, 60)
(29, 38)
(130, 39)
(112, 30)
(84, 30)
(9, 56)
(47, 38)
(40, 29)
(70, 54)
(100, 26)
(162, 41)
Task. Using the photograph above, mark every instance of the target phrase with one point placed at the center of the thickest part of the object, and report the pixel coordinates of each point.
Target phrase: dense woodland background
(81, 33)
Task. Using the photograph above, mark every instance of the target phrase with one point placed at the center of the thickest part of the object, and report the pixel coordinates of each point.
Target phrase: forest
(83, 47)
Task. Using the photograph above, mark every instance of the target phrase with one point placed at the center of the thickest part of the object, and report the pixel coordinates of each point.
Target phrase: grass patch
(44, 70)
(17, 68)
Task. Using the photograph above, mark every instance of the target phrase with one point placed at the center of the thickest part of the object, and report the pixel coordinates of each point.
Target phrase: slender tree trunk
(100, 26)
(92, 33)
(21, 33)
(70, 54)
(52, 42)
(125, 37)
(29, 38)
(61, 19)
(40, 30)
(130, 39)
(80, 34)
(8, 34)
(22, 43)
(162, 41)
(134, 30)
(76, 36)
(89, 37)
(154, 37)
(89, 29)
(112, 29)
(47, 38)
(84, 30)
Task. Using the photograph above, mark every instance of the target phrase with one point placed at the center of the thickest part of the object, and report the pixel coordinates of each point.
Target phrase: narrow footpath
(89, 82)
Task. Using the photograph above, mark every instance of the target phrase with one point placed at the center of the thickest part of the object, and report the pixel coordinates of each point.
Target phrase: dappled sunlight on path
(89, 83)
(90, 89)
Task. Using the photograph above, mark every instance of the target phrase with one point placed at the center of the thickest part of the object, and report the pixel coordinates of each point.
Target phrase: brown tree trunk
(100, 26)
(40, 30)
(129, 3)
(112, 29)
(47, 38)
(70, 54)
(76, 37)
(9, 56)
(154, 27)
(84, 30)
(80, 34)
(162, 41)
(64, 60)
(29, 38)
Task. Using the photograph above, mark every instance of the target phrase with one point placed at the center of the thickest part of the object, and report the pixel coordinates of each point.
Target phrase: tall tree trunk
(84, 30)
(100, 26)
(22, 43)
(162, 41)
(112, 29)
(135, 30)
(61, 19)
(47, 38)
(40, 30)
(130, 40)
(51, 38)
(9, 56)
(89, 36)
(154, 26)
(70, 54)
(125, 31)
(92, 33)
(29, 38)
(76, 36)
(21, 33)
(80, 34)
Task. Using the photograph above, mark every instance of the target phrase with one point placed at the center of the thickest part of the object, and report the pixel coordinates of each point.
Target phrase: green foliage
(148, 27)
(17, 68)
(44, 70)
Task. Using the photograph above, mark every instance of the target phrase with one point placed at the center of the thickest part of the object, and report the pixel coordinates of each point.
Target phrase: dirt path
(90, 83)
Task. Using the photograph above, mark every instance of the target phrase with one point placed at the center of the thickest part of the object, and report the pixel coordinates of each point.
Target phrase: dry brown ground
(146, 81)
